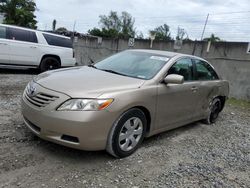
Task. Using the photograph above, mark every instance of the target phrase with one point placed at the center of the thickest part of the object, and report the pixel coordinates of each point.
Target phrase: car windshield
(140, 65)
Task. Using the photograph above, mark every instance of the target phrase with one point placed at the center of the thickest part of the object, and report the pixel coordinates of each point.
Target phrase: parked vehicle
(117, 102)
(21, 47)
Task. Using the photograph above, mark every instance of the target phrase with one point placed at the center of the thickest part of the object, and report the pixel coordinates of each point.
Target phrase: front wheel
(127, 133)
(214, 110)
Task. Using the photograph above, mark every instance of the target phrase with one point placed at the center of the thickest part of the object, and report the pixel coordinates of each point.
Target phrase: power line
(188, 16)
(238, 12)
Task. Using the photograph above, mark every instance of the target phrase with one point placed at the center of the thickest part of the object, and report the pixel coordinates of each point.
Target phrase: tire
(127, 133)
(214, 110)
(49, 63)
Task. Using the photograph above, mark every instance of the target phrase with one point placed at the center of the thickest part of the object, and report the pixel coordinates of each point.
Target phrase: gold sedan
(115, 103)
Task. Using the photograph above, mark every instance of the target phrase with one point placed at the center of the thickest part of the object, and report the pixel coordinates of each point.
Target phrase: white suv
(21, 47)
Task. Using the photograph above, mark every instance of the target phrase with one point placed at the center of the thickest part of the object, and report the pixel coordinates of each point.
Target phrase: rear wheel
(127, 133)
(214, 110)
(49, 63)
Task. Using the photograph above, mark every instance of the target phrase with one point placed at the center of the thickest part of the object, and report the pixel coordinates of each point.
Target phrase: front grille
(41, 99)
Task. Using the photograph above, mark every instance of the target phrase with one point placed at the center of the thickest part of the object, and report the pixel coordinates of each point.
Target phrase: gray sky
(148, 14)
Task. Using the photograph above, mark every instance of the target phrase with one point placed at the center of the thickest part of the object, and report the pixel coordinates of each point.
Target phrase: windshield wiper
(114, 72)
(91, 60)
(93, 66)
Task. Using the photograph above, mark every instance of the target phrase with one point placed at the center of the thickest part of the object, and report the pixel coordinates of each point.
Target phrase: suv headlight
(85, 105)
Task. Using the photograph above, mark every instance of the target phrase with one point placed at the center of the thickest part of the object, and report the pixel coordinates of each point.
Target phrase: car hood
(87, 82)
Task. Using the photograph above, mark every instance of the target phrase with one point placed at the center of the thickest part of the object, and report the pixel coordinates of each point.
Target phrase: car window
(21, 35)
(183, 67)
(204, 71)
(58, 41)
(2, 32)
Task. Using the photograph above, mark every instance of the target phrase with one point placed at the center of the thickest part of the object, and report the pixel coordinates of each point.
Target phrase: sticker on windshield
(159, 58)
(140, 76)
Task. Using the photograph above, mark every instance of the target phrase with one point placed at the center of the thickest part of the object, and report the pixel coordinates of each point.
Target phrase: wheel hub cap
(130, 134)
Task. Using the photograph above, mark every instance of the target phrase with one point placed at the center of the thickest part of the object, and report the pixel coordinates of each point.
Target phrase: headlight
(85, 105)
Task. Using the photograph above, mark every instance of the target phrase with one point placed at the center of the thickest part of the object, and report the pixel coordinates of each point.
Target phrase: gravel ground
(196, 155)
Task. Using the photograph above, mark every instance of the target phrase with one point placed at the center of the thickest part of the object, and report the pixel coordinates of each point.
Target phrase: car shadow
(19, 71)
(69, 155)
(172, 133)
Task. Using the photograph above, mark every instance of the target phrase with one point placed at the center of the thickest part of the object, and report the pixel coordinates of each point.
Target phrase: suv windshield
(140, 65)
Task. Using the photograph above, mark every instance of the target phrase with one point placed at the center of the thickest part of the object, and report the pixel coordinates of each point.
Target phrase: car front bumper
(85, 130)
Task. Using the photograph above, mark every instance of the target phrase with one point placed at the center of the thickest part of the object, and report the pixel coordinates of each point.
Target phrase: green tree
(19, 12)
(107, 33)
(127, 25)
(115, 26)
(140, 35)
(162, 32)
(112, 21)
(181, 33)
(96, 32)
(61, 29)
(212, 38)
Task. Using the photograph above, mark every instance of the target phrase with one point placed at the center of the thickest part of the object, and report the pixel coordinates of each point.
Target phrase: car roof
(28, 29)
(158, 52)
(166, 53)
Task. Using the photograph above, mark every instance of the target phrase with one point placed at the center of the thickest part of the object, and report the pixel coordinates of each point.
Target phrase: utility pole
(152, 35)
(205, 25)
(74, 27)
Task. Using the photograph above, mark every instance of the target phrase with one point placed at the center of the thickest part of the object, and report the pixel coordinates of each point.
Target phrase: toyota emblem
(31, 91)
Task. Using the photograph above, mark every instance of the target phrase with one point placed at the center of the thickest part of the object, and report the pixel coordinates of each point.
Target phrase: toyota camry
(114, 104)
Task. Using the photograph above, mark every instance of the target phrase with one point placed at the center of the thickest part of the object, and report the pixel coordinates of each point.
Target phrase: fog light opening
(70, 138)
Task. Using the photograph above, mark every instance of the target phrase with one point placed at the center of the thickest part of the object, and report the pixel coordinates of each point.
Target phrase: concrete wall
(229, 58)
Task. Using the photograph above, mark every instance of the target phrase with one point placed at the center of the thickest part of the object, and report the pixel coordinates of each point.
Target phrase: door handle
(194, 89)
(33, 47)
(3, 44)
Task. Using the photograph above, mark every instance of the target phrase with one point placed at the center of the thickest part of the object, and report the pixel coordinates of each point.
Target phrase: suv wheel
(49, 63)
(127, 133)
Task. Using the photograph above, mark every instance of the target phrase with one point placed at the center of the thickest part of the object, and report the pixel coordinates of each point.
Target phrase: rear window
(2, 32)
(58, 41)
(204, 71)
(21, 35)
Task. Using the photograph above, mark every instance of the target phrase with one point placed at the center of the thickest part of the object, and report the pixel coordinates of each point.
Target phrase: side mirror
(174, 79)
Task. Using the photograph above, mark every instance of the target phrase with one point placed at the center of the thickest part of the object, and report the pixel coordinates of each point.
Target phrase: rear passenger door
(209, 84)
(23, 47)
(4, 47)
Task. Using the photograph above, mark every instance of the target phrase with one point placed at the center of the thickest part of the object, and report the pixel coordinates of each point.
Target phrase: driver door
(177, 102)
